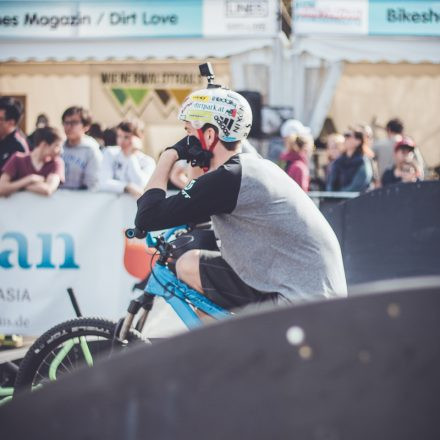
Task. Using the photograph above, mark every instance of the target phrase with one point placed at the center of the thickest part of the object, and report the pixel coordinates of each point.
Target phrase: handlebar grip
(135, 232)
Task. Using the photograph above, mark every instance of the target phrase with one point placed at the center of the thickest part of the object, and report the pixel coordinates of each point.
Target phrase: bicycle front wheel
(66, 347)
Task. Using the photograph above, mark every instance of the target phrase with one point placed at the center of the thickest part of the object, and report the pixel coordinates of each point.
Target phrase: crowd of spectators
(86, 157)
(355, 162)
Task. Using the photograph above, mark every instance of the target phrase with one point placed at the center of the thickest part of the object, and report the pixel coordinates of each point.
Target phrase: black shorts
(224, 287)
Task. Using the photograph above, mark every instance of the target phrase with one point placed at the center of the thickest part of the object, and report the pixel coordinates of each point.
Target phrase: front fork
(145, 301)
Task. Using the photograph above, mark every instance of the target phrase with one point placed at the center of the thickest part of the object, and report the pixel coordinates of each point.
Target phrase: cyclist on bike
(275, 243)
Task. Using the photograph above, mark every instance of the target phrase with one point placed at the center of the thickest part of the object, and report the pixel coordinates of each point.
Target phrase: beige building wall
(151, 91)
(375, 93)
(48, 89)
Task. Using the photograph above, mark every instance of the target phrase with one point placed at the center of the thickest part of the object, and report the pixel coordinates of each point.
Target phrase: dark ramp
(368, 368)
(392, 232)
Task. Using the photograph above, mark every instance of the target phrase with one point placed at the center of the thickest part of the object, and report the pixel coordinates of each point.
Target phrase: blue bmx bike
(82, 341)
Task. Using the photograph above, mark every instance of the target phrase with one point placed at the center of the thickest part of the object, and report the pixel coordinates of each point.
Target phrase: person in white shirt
(125, 168)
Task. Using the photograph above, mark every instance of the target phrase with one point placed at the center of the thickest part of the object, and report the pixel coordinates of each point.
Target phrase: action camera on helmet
(207, 71)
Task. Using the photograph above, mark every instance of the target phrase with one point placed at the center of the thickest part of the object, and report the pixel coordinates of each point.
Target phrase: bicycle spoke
(78, 346)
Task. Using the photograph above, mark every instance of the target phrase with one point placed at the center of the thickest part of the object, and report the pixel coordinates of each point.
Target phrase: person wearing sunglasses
(352, 170)
(81, 153)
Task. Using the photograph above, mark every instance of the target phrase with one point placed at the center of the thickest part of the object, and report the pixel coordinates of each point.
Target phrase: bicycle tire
(36, 360)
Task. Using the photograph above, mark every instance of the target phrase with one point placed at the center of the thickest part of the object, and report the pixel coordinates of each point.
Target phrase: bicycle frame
(179, 295)
(162, 282)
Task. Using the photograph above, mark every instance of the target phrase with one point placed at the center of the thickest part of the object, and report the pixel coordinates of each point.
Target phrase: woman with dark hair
(352, 171)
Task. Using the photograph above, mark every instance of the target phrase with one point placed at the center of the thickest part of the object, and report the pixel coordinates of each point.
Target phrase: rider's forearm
(160, 176)
(194, 173)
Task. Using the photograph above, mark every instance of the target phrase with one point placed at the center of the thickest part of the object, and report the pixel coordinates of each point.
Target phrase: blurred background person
(384, 148)
(109, 137)
(39, 171)
(11, 137)
(41, 122)
(352, 170)
(288, 127)
(81, 153)
(404, 151)
(298, 149)
(125, 168)
(334, 148)
(95, 131)
(410, 171)
(368, 149)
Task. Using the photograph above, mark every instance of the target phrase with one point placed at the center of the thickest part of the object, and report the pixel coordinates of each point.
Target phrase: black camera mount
(207, 71)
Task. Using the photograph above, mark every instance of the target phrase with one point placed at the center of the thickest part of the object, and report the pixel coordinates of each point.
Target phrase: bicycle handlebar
(135, 233)
(139, 233)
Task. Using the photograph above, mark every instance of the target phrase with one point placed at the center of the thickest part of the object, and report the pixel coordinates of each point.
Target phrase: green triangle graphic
(137, 95)
(120, 95)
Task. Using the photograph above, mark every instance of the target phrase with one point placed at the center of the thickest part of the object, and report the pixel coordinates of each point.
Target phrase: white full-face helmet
(227, 110)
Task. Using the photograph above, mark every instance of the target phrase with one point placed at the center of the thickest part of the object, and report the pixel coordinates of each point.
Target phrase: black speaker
(255, 101)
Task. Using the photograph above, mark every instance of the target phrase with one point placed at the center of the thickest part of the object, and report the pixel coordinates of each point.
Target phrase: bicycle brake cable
(155, 277)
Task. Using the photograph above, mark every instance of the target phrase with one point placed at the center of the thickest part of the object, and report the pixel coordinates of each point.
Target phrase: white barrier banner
(72, 239)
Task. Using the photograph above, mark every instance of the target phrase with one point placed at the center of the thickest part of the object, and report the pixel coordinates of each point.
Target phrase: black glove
(200, 158)
(182, 147)
(190, 149)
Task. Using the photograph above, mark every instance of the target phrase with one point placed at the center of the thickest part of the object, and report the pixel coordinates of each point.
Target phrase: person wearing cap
(410, 171)
(296, 157)
(293, 126)
(404, 151)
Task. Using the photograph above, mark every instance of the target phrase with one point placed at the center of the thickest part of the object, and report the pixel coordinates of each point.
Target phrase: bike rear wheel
(68, 346)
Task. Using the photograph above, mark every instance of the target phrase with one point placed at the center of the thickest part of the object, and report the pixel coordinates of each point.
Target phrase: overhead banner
(368, 17)
(240, 17)
(81, 19)
(404, 18)
(147, 18)
(72, 239)
(330, 17)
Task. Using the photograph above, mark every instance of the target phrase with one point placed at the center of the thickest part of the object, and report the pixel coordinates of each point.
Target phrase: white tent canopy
(372, 49)
(317, 63)
(251, 59)
(137, 49)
